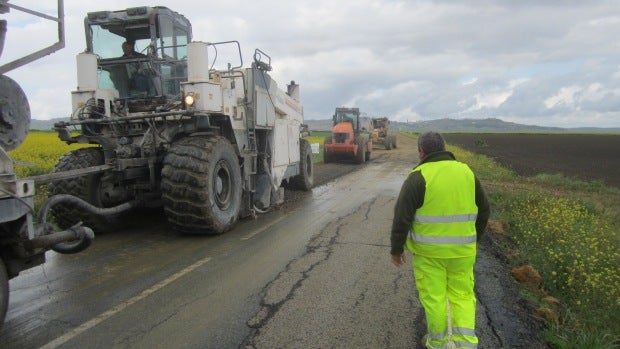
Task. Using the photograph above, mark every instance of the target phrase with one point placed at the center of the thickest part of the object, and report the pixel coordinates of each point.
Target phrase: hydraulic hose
(77, 238)
(74, 200)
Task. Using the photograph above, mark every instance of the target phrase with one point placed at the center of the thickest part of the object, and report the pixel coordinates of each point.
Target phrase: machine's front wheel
(4, 291)
(93, 188)
(201, 185)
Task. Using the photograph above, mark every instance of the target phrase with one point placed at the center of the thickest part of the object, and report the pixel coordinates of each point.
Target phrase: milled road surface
(314, 274)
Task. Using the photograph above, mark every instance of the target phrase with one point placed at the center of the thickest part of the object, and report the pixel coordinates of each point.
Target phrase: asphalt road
(314, 274)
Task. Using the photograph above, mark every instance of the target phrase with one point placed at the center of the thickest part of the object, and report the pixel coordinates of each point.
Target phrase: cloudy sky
(548, 63)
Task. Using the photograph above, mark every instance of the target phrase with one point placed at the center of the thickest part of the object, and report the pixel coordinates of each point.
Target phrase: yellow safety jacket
(445, 225)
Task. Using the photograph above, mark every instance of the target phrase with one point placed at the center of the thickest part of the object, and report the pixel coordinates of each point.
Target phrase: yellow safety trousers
(442, 280)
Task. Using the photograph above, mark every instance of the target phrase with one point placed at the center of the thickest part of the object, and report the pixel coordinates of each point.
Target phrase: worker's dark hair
(430, 142)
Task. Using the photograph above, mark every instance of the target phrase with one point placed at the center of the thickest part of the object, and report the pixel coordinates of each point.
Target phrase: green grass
(484, 166)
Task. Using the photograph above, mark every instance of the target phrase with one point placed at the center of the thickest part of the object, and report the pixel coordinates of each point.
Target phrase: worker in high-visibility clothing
(441, 211)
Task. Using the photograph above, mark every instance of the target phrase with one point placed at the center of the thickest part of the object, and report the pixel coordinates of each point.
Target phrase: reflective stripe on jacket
(444, 226)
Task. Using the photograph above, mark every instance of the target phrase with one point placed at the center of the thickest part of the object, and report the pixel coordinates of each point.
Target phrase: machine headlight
(189, 100)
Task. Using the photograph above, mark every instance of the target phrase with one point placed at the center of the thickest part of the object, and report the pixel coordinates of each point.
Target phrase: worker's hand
(398, 260)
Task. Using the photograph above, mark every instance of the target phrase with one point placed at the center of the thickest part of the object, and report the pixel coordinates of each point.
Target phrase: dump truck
(349, 140)
(175, 126)
(25, 236)
(381, 134)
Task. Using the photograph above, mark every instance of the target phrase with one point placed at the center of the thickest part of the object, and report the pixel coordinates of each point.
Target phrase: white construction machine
(208, 144)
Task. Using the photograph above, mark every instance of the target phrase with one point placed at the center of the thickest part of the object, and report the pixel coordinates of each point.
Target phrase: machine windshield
(346, 116)
(107, 44)
(378, 123)
(157, 65)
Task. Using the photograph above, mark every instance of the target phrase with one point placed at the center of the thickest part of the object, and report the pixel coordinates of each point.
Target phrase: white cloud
(406, 115)
(470, 81)
(564, 97)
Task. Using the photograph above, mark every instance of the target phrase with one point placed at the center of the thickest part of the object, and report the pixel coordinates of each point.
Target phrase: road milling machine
(349, 139)
(207, 142)
(381, 133)
(24, 235)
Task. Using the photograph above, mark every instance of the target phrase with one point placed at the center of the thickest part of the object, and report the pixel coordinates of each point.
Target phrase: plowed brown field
(587, 157)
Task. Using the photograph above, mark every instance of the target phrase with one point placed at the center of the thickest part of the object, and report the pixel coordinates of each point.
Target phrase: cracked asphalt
(343, 292)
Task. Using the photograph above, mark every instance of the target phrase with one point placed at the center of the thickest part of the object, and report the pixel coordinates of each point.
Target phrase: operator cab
(347, 116)
(379, 123)
(159, 36)
(351, 115)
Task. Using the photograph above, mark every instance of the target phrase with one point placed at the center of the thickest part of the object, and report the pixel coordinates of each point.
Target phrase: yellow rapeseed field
(573, 246)
(39, 153)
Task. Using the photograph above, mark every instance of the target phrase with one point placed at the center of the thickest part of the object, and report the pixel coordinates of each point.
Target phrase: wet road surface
(314, 274)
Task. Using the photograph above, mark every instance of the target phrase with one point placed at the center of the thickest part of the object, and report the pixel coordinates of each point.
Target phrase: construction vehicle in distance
(24, 239)
(208, 144)
(349, 139)
(381, 133)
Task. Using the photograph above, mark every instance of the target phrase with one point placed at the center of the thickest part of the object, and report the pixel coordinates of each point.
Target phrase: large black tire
(360, 157)
(201, 185)
(394, 141)
(305, 180)
(327, 157)
(4, 292)
(90, 188)
(388, 143)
